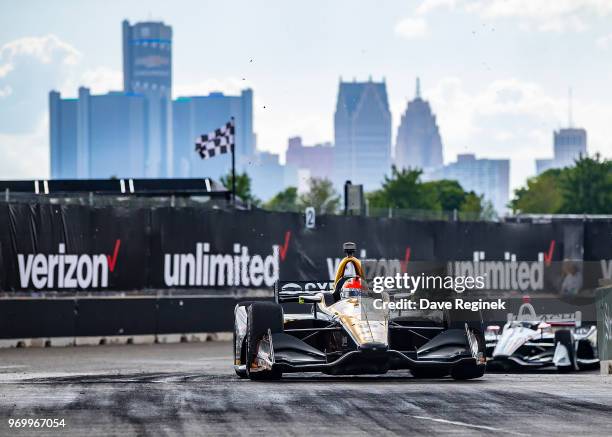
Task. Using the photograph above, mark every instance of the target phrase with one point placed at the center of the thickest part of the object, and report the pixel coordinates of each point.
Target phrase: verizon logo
(64, 270)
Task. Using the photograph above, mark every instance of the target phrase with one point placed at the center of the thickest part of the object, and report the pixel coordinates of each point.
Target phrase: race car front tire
(423, 372)
(261, 317)
(565, 338)
(241, 372)
(468, 371)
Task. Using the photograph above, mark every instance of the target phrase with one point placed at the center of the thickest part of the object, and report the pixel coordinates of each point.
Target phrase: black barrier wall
(76, 253)
(85, 249)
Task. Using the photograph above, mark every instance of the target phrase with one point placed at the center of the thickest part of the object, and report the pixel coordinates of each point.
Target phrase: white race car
(531, 341)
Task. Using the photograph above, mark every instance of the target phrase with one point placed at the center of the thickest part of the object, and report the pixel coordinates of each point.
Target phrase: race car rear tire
(261, 317)
(240, 372)
(565, 338)
(422, 373)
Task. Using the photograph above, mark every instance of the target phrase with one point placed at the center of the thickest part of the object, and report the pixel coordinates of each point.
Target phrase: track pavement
(190, 389)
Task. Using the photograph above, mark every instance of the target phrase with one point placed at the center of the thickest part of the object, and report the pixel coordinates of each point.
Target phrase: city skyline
(501, 96)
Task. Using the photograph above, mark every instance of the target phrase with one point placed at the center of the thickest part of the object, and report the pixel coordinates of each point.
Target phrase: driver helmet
(353, 287)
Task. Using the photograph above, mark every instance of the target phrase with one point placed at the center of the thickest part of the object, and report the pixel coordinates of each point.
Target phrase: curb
(193, 337)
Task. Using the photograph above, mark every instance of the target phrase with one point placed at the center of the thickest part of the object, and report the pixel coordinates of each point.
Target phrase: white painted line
(46, 186)
(467, 425)
(122, 184)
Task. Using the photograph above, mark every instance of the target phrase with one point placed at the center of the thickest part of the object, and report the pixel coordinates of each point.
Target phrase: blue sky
(496, 72)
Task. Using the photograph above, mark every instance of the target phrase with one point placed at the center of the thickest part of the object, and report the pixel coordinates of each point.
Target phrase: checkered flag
(219, 142)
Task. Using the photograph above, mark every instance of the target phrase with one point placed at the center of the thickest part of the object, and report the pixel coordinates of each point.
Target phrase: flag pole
(233, 164)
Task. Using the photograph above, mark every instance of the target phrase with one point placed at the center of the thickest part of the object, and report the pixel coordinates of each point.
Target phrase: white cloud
(6, 91)
(231, 85)
(45, 49)
(26, 155)
(604, 42)
(430, 5)
(532, 15)
(30, 67)
(509, 118)
(538, 10)
(412, 28)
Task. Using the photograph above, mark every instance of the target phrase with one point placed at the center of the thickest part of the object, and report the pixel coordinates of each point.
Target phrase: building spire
(418, 88)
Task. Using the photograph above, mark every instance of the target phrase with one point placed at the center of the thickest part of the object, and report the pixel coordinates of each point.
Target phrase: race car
(531, 341)
(335, 328)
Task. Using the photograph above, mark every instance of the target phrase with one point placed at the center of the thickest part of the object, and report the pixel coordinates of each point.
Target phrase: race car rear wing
(291, 291)
(527, 313)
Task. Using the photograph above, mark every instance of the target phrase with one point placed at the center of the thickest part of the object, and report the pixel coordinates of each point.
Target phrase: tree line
(584, 188)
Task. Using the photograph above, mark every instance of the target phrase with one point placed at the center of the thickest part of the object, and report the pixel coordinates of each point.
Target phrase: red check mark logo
(285, 246)
(404, 264)
(548, 256)
(112, 261)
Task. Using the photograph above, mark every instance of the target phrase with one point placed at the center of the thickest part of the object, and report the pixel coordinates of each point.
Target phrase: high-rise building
(418, 143)
(147, 70)
(362, 134)
(487, 177)
(568, 145)
(98, 136)
(63, 136)
(267, 175)
(317, 159)
(126, 133)
(197, 115)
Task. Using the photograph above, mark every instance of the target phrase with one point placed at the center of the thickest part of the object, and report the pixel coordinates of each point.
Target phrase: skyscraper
(569, 144)
(122, 133)
(63, 136)
(197, 115)
(147, 70)
(362, 133)
(418, 143)
(487, 177)
(98, 136)
(317, 159)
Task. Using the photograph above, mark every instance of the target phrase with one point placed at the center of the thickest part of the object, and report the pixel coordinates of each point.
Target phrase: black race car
(343, 333)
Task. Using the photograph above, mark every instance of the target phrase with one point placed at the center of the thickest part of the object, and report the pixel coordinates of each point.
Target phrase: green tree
(285, 200)
(321, 195)
(404, 190)
(587, 187)
(243, 187)
(449, 194)
(541, 195)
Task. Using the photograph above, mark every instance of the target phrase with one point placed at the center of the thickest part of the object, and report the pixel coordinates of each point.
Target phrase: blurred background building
(98, 136)
(362, 133)
(487, 177)
(147, 70)
(568, 145)
(418, 143)
(197, 115)
(141, 131)
(317, 159)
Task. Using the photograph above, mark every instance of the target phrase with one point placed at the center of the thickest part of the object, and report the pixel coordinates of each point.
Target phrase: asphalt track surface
(191, 389)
